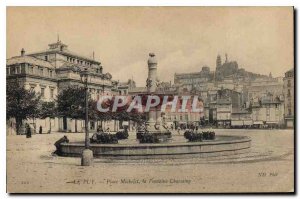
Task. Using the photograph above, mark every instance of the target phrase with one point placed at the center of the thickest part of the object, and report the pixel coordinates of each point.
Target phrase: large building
(189, 79)
(261, 87)
(48, 72)
(268, 111)
(289, 98)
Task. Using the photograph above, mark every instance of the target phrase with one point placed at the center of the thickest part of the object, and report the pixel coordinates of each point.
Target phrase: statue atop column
(152, 73)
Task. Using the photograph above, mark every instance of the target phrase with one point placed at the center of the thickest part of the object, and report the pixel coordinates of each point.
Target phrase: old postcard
(150, 100)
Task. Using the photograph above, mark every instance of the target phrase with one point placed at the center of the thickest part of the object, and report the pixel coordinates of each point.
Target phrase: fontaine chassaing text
(148, 181)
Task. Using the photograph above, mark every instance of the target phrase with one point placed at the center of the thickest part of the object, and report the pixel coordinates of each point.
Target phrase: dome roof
(152, 59)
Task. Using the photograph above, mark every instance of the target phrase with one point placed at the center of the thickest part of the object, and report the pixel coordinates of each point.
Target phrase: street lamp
(87, 154)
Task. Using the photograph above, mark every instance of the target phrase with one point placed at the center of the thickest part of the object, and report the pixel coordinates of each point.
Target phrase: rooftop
(239, 111)
(224, 101)
(138, 89)
(61, 48)
(29, 60)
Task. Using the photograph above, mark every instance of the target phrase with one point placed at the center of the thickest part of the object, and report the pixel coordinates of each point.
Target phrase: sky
(184, 39)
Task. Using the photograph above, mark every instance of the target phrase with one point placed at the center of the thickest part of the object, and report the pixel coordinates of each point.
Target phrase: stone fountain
(153, 124)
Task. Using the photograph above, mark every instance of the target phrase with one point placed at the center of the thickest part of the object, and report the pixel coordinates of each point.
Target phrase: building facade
(228, 92)
(52, 70)
(268, 111)
(289, 96)
(263, 86)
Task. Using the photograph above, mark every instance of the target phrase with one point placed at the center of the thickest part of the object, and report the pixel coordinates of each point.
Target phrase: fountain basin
(223, 145)
(167, 134)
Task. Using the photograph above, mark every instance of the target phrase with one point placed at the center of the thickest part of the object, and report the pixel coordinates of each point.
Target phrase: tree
(122, 114)
(48, 110)
(21, 104)
(71, 103)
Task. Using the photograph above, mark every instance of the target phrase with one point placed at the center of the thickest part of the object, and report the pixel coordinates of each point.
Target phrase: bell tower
(218, 61)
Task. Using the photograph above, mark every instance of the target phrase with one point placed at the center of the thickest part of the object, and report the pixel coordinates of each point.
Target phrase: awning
(258, 122)
(248, 122)
(271, 122)
(125, 123)
(237, 123)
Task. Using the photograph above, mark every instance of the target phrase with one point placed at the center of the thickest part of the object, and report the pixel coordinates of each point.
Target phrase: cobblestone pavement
(269, 166)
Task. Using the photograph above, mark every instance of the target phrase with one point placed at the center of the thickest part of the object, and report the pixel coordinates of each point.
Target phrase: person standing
(178, 130)
(196, 129)
(28, 131)
(41, 130)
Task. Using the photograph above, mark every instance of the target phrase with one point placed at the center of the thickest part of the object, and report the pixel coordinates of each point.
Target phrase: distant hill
(231, 69)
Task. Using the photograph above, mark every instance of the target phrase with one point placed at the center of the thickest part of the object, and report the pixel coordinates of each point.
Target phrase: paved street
(268, 167)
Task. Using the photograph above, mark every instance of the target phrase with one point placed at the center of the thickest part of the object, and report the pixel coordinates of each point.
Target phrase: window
(7, 71)
(289, 104)
(41, 71)
(52, 93)
(289, 83)
(277, 112)
(289, 93)
(23, 68)
(17, 69)
(92, 125)
(43, 92)
(46, 58)
(290, 111)
(50, 73)
(31, 69)
(12, 70)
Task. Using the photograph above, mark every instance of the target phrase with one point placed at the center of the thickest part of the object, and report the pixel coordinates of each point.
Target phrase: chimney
(22, 52)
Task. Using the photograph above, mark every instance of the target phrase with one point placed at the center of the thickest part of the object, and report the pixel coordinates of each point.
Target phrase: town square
(262, 169)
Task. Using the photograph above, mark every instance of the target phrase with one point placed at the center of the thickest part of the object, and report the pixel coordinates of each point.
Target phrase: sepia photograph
(150, 99)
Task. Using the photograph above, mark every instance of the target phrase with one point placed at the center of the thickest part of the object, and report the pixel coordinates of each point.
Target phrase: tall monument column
(151, 88)
(152, 73)
(153, 125)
